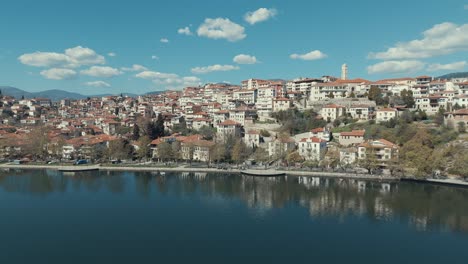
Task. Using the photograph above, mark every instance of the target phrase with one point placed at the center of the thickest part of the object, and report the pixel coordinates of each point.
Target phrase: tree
(165, 151)
(261, 155)
(38, 142)
(217, 152)
(144, 148)
(439, 117)
(207, 132)
(330, 95)
(294, 157)
(136, 132)
(407, 97)
(176, 150)
(239, 152)
(119, 149)
(417, 154)
(461, 127)
(159, 126)
(459, 166)
(265, 133)
(369, 162)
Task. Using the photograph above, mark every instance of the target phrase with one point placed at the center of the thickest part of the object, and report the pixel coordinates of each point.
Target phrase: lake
(141, 217)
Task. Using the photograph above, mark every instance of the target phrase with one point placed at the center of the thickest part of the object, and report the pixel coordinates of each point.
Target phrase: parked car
(80, 162)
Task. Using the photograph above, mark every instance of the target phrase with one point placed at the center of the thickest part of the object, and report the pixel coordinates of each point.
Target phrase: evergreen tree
(136, 132)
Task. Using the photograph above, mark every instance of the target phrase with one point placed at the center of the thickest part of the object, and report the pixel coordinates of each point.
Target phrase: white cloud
(441, 39)
(111, 54)
(59, 74)
(466, 7)
(98, 84)
(313, 55)
(179, 82)
(245, 59)
(221, 28)
(151, 75)
(154, 57)
(164, 40)
(169, 80)
(134, 68)
(71, 58)
(214, 68)
(185, 31)
(44, 59)
(407, 66)
(260, 15)
(460, 65)
(101, 71)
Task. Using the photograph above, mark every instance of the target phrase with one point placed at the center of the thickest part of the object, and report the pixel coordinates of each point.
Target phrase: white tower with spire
(344, 72)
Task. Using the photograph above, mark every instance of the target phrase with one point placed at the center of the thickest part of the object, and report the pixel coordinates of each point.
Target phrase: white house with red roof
(228, 128)
(351, 138)
(281, 104)
(313, 148)
(332, 111)
(252, 138)
(321, 132)
(382, 150)
(385, 114)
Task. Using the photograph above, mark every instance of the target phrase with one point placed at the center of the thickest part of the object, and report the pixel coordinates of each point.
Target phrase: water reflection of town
(425, 207)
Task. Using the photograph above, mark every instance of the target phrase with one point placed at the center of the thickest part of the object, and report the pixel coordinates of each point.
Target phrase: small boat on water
(260, 173)
(78, 168)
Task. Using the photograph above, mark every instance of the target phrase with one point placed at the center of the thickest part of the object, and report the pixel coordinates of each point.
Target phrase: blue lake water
(130, 217)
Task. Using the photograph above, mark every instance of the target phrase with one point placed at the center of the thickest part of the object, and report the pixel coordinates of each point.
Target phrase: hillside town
(408, 125)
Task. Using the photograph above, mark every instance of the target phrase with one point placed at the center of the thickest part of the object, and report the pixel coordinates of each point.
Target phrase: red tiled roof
(354, 133)
(229, 123)
(313, 139)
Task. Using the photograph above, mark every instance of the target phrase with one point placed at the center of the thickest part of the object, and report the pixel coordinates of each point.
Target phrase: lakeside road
(356, 176)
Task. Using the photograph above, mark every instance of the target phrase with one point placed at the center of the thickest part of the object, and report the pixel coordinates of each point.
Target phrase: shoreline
(215, 170)
(358, 176)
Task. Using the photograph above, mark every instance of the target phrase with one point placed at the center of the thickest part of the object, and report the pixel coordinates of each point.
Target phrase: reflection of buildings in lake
(420, 222)
(258, 192)
(385, 188)
(309, 182)
(199, 176)
(361, 186)
(184, 175)
(381, 210)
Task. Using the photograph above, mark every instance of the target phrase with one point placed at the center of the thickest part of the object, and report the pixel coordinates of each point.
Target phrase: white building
(312, 148)
(332, 111)
(385, 114)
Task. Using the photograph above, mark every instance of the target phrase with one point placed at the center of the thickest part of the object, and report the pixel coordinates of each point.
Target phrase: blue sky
(68, 45)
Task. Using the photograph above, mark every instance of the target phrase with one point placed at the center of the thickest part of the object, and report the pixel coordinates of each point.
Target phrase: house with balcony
(332, 111)
(385, 114)
(313, 148)
(381, 150)
(228, 128)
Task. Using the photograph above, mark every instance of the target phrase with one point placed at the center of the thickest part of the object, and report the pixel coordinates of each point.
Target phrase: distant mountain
(154, 93)
(54, 95)
(454, 75)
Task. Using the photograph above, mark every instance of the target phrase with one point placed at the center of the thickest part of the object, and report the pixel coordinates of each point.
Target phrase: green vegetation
(295, 122)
